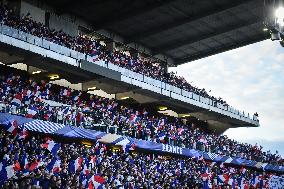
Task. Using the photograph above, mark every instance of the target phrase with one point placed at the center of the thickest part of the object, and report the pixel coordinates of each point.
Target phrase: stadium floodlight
(279, 15)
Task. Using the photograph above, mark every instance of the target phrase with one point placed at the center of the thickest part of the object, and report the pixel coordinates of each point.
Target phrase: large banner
(76, 132)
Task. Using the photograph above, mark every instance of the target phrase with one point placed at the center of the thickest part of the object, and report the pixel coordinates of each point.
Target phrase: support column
(110, 46)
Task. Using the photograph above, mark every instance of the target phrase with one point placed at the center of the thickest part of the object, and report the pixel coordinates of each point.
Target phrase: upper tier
(48, 54)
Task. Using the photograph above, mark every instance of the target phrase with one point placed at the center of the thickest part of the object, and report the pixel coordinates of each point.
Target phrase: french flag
(51, 146)
(12, 127)
(54, 165)
(96, 182)
(25, 162)
(17, 101)
(92, 161)
(32, 111)
(86, 170)
(224, 178)
(7, 172)
(35, 165)
(162, 137)
(75, 165)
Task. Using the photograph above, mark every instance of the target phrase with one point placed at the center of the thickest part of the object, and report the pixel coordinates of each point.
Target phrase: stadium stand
(111, 154)
(26, 97)
(34, 161)
(93, 48)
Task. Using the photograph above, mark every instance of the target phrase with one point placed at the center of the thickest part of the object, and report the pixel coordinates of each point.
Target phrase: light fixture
(163, 108)
(185, 115)
(279, 15)
(52, 77)
(92, 88)
(265, 29)
(275, 35)
(124, 98)
(36, 72)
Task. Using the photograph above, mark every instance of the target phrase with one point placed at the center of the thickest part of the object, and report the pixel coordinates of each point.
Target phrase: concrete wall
(36, 13)
(64, 23)
(65, 83)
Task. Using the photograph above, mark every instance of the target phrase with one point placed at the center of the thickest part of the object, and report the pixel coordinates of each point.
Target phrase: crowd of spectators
(94, 48)
(24, 96)
(29, 163)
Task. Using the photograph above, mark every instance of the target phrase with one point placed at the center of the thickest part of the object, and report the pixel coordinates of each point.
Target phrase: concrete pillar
(110, 46)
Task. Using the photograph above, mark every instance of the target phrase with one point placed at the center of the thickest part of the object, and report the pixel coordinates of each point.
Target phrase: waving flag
(11, 127)
(17, 166)
(32, 111)
(162, 137)
(54, 165)
(96, 182)
(34, 165)
(86, 170)
(51, 146)
(25, 162)
(75, 165)
(92, 161)
(9, 172)
(17, 101)
(224, 178)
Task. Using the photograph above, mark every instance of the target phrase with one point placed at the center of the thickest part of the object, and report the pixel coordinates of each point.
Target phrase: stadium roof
(183, 30)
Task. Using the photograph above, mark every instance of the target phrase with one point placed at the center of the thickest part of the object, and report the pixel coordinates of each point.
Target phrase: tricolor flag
(25, 162)
(54, 165)
(162, 137)
(17, 166)
(34, 165)
(75, 165)
(224, 178)
(51, 146)
(32, 111)
(86, 170)
(96, 182)
(17, 101)
(6, 172)
(11, 127)
(92, 161)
